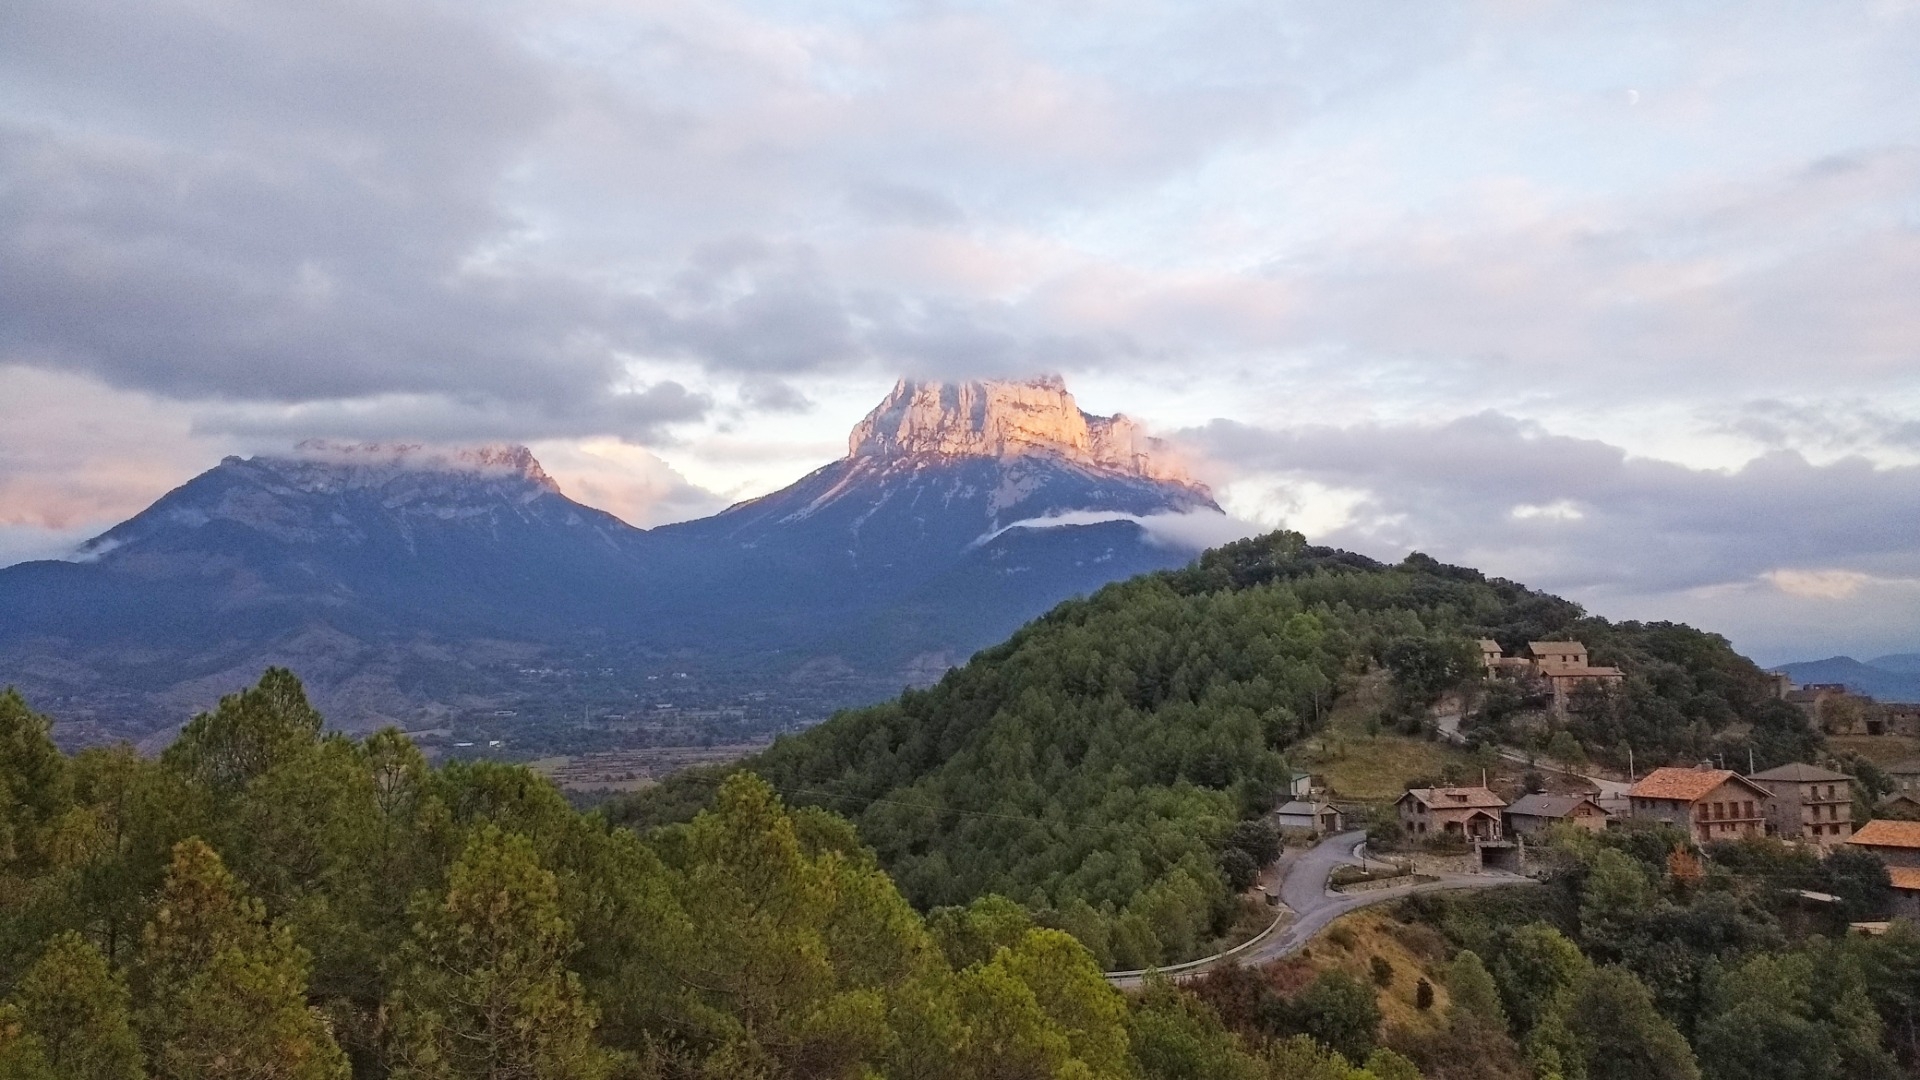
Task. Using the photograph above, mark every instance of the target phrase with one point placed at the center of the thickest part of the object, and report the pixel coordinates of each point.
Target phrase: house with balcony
(1711, 804)
(1807, 802)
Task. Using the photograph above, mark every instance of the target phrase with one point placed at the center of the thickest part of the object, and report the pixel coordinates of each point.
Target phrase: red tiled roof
(1686, 785)
(1905, 877)
(1886, 832)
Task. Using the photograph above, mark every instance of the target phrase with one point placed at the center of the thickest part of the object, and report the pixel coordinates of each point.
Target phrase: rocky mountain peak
(1008, 419)
(374, 464)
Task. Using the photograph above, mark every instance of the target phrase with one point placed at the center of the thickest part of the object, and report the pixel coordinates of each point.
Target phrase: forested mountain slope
(266, 901)
(1094, 766)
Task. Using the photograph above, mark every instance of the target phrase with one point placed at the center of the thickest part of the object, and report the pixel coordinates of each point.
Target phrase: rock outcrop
(1004, 419)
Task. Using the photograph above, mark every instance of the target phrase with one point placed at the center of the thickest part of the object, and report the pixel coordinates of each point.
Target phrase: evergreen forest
(932, 888)
(1099, 767)
(268, 901)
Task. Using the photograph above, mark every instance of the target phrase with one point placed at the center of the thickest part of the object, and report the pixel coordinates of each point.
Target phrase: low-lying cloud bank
(1194, 531)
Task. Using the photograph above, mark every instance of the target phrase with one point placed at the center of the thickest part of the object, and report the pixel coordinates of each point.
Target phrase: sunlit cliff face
(1009, 419)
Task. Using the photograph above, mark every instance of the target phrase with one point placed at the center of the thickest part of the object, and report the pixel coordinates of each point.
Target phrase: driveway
(1303, 888)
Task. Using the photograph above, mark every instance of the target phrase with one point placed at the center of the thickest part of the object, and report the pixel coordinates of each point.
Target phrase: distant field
(1360, 765)
(1377, 767)
(1357, 764)
(1879, 749)
(631, 770)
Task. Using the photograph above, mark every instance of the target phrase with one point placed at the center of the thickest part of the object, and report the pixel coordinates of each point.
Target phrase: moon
(1633, 97)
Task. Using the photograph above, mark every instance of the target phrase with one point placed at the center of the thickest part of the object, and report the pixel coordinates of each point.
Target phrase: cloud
(626, 481)
(638, 416)
(1193, 531)
(229, 226)
(1824, 584)
(1583, 517)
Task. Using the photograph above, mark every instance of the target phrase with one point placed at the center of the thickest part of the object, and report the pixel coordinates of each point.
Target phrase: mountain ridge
(389, 569)
(1875, 678)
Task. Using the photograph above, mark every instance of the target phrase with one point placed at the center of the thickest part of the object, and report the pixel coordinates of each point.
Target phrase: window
(1749, 806)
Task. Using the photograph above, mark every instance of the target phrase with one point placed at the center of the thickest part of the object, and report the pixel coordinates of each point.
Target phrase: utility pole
(1629, 761)
(1749, 759)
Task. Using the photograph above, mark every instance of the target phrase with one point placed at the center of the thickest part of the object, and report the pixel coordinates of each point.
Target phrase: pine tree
(22, 1056)
(222, 993)
(249, 733)
(1472, 989)
(34, 783)
(72, 1002)
(1611, 1017)
(483, 989)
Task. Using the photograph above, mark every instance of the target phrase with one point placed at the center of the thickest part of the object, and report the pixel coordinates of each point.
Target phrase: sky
(1620, 300)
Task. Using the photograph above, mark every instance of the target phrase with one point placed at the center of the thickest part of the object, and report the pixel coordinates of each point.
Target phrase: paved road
(1303, 888)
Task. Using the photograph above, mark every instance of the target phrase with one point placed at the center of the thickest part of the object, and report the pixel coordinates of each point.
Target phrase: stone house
(1299, 784)
(1562, 665)
(1904, 774)
(1532, 814)
(1565, 667)
(1494, 661)
(1903, 803)
(1310, 817)
(1898, 845)
(1807, 802)
(1838, 711)
(1711, 804)
(1472, 812)
(1780, 683)
(1901, 718)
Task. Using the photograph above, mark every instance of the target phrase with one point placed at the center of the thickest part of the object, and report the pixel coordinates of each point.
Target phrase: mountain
(363, 565)
(933, 478)
(430, 585)
(1887, 678)
(1902, 663)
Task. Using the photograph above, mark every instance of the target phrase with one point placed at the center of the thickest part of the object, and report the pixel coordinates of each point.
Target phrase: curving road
(1303, 888)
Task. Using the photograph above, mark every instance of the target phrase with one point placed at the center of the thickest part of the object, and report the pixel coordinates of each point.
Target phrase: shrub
(1382, 971)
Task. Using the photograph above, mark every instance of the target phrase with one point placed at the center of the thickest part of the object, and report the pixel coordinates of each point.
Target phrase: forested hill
(265, 901)
(1094, 767)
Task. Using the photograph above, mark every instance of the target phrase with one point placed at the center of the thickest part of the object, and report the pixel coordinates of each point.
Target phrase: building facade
(1312, 817)
(1531, 815)
(1471, 812)
(1563, 665)
(1898, 845)
(1711, 804)
(1807, 802)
